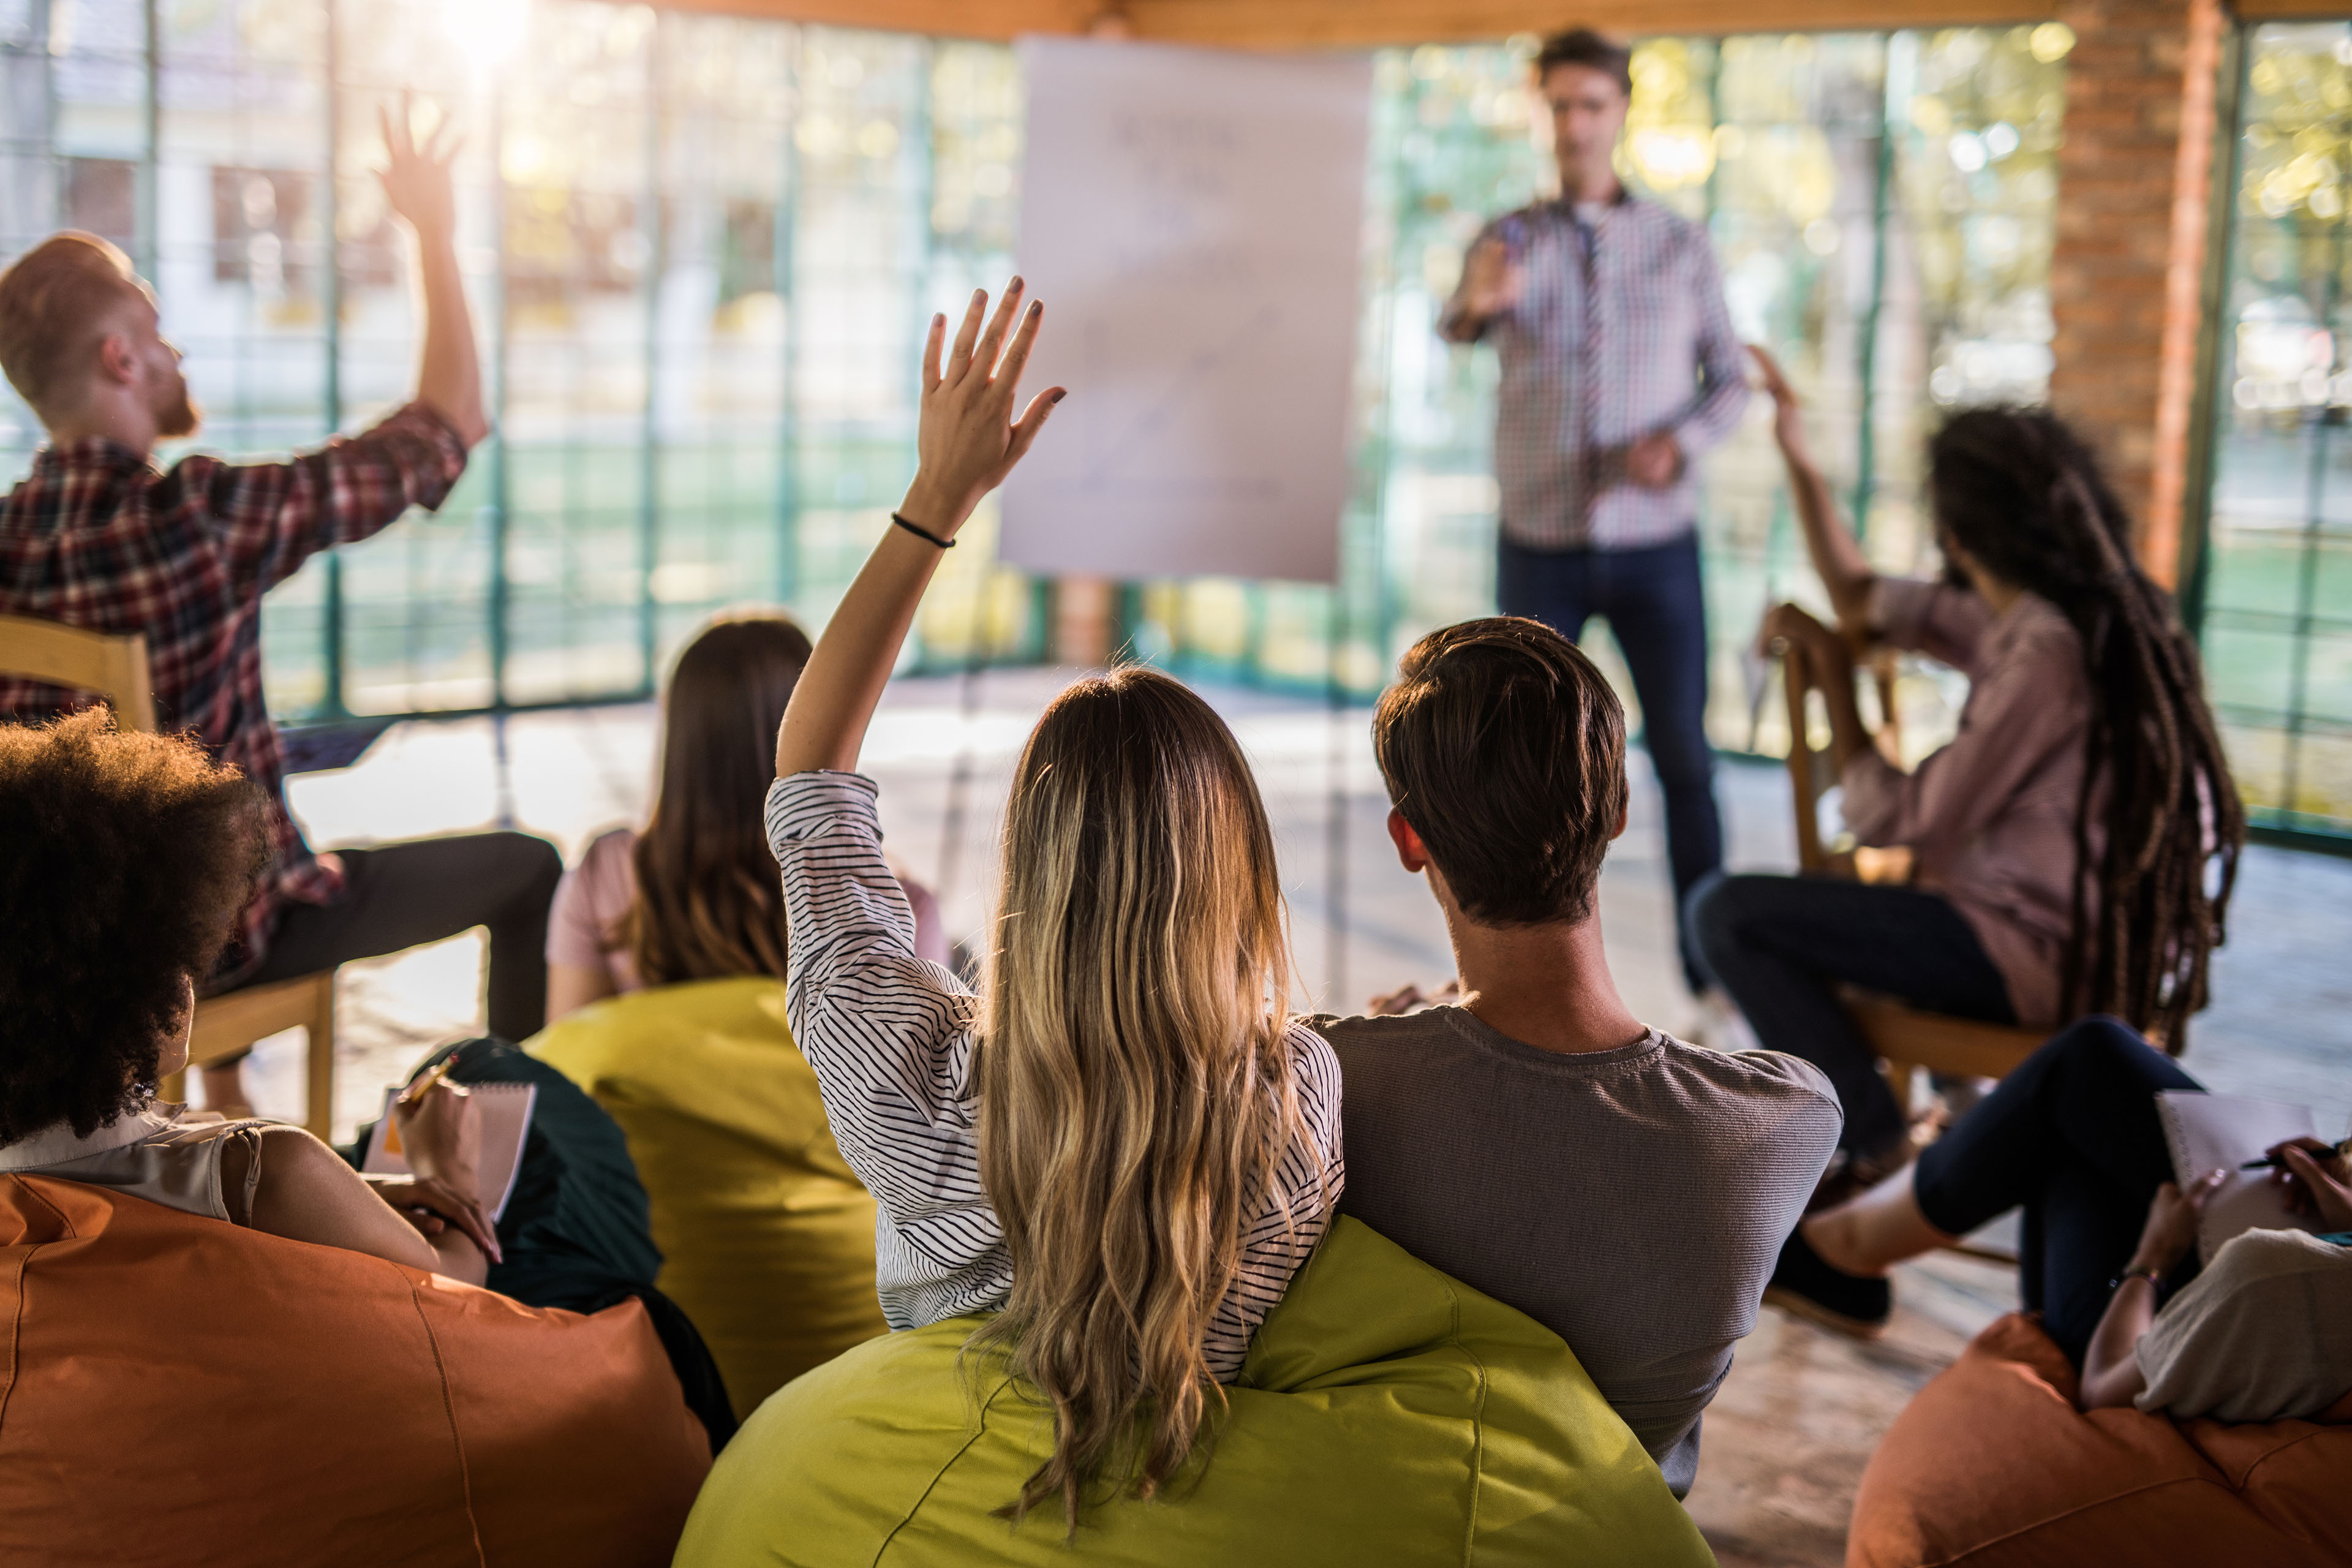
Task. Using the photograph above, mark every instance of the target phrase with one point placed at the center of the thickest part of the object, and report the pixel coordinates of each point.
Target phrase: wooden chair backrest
(1806, 765)
(111, 664)
(1810, 770)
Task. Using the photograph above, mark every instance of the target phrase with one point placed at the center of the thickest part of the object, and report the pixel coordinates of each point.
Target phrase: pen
(2267, 1163)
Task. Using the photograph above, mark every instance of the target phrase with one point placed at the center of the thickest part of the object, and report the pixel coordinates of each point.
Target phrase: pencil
(424, 1086)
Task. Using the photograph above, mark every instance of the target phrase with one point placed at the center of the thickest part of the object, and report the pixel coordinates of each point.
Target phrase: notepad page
(2209, 1132)
(505, 1111)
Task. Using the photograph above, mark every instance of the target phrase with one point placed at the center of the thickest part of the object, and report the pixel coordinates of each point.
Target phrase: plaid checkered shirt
(96, 536)
(1620, 330)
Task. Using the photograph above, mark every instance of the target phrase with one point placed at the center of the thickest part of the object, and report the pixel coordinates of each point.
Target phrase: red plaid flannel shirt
(97, 537)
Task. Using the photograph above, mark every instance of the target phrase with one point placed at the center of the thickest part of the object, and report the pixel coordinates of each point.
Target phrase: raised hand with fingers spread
(966, 442)
(417, 186)
(416, 179)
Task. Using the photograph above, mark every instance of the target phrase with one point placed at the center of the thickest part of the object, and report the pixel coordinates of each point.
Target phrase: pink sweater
(1990, 817)
(594, 895)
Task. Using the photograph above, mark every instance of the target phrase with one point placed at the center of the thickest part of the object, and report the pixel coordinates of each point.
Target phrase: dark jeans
(1781, 946)
(2073, 1138)
(577, 1232)
(398, 896)
(1655, 604)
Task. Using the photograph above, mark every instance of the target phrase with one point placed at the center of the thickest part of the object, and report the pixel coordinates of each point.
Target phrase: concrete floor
(1787, 1437)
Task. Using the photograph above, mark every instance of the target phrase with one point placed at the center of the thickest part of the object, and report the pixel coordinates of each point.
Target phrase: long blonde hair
(1135, 1090)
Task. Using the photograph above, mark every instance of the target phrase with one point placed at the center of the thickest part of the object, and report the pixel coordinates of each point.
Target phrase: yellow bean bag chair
(177, 1391)
(1387, 1414)
(767, 1236)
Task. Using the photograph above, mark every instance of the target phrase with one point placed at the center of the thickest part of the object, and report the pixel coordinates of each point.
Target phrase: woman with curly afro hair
(124, 861)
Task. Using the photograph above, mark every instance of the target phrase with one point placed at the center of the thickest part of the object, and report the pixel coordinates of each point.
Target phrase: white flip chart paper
(1193, 221)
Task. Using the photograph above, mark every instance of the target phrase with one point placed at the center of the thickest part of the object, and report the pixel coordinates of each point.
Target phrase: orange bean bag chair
(1992, 1466)
(177, 1391)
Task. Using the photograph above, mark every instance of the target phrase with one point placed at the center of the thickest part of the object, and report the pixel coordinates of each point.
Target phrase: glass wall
(702, 249)
(700, 252)
(2277, 567)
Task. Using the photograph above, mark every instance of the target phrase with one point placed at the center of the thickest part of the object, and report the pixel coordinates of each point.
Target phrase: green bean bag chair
(767, 1236)
(1387, 1414)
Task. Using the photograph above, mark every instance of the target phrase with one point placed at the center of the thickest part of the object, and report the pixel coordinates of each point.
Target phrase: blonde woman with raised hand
(1125, 1148)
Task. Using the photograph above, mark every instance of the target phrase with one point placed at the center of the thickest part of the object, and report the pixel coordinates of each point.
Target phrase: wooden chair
(114, 666)
(1907, 1039)
(227, 1026)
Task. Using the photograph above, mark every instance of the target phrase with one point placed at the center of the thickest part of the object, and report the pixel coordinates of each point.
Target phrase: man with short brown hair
(95, 536)
(1535, 1140)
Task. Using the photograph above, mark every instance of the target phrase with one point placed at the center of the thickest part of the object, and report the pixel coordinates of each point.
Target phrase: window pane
(2276, 629)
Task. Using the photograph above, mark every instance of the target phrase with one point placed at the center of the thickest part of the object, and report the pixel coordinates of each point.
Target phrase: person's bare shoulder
(289, 1157)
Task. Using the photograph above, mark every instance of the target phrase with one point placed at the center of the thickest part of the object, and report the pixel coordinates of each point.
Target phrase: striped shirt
(1620, 331)
(891, 1039)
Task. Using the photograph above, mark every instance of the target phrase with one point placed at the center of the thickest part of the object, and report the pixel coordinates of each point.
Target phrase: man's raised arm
(417, 184)
(271, 517)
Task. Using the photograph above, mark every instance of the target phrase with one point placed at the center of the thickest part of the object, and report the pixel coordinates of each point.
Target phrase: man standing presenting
(95, 536)
(1620, 366)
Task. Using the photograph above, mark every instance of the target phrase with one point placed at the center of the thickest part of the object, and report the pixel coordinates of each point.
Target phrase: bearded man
(97, 536)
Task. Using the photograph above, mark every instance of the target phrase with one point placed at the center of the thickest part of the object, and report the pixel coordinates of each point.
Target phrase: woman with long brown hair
(1125, 1148)
(693, 896)
(2073, 845)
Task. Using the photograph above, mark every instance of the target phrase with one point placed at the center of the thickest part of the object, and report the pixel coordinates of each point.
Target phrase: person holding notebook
(2110, 1260)
(124, 862)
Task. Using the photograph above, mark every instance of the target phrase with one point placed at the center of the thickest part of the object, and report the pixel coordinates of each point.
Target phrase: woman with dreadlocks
(2072, 848)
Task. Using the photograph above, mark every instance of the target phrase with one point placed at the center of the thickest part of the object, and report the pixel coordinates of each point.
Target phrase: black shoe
(1849, 1303)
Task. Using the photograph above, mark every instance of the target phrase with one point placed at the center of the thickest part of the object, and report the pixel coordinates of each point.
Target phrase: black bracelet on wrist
(919, 532)
(2155, 1278)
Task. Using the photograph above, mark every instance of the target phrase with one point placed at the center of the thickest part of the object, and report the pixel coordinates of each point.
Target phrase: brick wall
(2133, 182)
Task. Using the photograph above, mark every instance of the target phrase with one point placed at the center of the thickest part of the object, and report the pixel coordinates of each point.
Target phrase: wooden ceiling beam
(2289, 10)
(1361, 23)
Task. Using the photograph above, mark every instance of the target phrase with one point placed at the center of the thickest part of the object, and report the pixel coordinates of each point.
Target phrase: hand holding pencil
(440, 1127)
(2317, 1178)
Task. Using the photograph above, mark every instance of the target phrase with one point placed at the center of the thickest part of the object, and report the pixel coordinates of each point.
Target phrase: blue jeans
(1781, 946)
(1654, 602)
(2073, 1138)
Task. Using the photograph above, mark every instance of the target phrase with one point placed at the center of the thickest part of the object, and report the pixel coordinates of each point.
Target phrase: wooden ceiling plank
(1361, 24)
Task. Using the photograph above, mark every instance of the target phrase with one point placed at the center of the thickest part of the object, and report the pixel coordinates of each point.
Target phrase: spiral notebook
(2209, 1132)
(506, 1124)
